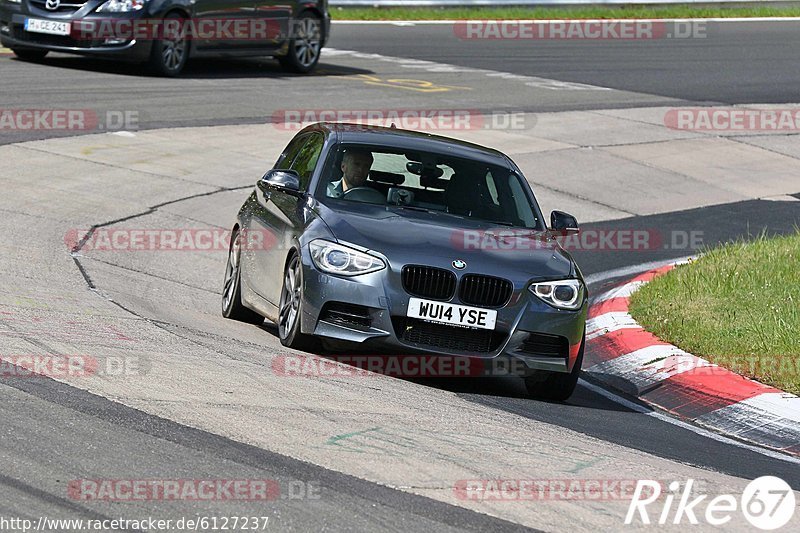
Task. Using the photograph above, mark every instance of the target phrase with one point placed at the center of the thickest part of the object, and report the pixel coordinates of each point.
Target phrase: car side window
(290, 152)
(306, 160)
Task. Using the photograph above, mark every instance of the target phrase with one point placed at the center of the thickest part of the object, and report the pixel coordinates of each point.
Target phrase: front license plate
(455, 315)
(50, 27)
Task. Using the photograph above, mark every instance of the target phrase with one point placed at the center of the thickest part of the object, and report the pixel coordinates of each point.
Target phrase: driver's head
(355, 168)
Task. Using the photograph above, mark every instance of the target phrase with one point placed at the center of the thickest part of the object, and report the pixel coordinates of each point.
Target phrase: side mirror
(287, 181)
(564, 223)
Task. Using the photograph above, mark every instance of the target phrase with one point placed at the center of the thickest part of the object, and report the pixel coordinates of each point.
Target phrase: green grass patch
(538, 13)
(737, 306)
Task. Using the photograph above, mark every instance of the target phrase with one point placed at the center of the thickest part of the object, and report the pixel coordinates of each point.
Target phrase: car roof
(410, 140)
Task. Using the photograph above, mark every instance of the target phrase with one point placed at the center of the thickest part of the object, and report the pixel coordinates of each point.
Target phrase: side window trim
(283, 162)
(316, 142)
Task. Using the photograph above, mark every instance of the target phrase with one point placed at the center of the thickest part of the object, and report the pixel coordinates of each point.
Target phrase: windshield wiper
(412, 208)
(424, 210)
(509, 224)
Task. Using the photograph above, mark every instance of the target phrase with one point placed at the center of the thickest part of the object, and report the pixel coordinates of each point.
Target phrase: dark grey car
(166, 33)
(442, 250)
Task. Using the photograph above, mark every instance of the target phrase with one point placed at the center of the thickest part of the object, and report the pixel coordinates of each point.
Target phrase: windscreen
(428, 181)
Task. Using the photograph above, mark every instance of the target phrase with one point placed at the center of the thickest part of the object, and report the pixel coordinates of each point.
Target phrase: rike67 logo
(767, 503)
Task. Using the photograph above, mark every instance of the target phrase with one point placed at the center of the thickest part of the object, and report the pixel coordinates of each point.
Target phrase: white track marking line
(685, 425)
(613, 321)
(624, 291)
(764, 407)
(409, 23)
(635, 269)
(434, 67)
(649, 366)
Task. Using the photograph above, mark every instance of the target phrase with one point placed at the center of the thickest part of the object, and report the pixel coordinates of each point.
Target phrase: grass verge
(737, 306)
(538, 13)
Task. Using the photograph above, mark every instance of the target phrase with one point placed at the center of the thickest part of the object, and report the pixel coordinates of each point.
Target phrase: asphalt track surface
(732, 63)
(97, 435)
(737, 62)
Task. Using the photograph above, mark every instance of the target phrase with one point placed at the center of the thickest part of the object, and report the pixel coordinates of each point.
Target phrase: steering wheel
(364, 194)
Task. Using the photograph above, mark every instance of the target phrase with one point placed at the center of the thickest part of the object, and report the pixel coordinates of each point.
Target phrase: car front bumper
(526, 335)
(15, 37)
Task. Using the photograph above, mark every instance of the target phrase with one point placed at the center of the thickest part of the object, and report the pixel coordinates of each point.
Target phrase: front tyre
(170, 53)
(305, 45)
(555, 386)
(291, 307)
(30, 55)
(232, 306)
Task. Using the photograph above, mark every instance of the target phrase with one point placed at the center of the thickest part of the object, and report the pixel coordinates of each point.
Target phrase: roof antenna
(393, 126)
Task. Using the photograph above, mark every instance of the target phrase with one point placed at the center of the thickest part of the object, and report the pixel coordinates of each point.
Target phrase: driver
(355, 168)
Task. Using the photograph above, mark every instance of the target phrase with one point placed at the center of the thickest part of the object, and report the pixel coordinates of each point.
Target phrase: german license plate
(50, 27)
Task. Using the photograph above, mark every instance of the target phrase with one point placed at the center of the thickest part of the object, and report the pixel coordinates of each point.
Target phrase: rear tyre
(30, 55)
(305, 45)
(170, 53)
(291, 308)
(232, 306)
(555, 386)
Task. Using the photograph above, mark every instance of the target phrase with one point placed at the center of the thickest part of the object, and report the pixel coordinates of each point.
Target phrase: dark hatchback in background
(414, 260)
(297, 30)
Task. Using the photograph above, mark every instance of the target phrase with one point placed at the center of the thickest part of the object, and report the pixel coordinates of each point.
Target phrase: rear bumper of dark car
(367, 313)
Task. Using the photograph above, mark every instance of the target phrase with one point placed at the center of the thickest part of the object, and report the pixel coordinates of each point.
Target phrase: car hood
(437, 239)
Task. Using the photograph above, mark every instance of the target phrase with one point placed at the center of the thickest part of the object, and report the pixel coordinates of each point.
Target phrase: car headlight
(562, 294)
(14, 1)
(338, 259)
(121, 6)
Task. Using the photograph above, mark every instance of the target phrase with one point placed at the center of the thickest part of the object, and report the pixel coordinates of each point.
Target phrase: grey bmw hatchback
(383, 240)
